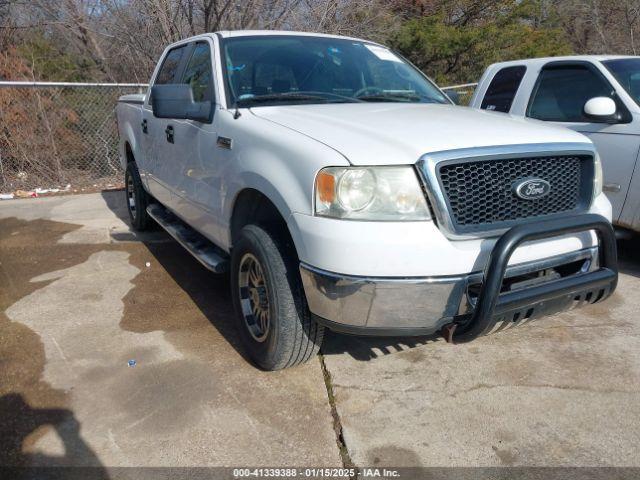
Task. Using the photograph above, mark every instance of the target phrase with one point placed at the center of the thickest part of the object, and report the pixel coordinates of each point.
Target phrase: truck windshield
(292, 70)
(627, 72)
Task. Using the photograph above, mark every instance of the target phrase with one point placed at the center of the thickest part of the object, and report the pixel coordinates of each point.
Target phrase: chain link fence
(58, 134)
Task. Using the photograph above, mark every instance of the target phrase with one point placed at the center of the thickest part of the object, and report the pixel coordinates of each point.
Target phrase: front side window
(502, 89)
(198, 73)
(276, 70)
(627, 73)
(562, 92)
(170, 66)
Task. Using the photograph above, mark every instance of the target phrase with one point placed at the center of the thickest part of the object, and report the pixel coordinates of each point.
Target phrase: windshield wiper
(334, 95)
(293, 96)
(395, 97)
(269, 97)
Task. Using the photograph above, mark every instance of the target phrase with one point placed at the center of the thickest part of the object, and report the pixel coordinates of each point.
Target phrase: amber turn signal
(326, 187)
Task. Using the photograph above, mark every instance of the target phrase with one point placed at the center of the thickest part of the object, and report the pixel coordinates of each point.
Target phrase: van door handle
(169, 133)
(145, 129)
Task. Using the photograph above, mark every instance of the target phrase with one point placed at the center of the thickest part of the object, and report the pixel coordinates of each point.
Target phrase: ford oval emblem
(531, 188)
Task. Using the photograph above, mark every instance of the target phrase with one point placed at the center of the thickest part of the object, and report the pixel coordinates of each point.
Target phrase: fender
(259, 183)
(279, 163)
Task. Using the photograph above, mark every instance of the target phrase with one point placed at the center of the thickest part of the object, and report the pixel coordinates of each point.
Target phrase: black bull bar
(493, 306)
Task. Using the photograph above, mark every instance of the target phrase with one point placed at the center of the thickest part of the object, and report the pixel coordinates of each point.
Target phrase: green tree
(456, 41)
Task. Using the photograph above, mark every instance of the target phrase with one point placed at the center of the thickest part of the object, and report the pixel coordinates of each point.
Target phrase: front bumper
(421, 306)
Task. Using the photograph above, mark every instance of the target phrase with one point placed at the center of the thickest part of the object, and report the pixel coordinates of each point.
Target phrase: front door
(196, 184)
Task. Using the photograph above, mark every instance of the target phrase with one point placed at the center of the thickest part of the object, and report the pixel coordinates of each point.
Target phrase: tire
(137, 199)
(289, 336)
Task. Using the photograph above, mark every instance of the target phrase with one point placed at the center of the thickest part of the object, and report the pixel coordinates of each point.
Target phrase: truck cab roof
(568, 58)
(260, 33)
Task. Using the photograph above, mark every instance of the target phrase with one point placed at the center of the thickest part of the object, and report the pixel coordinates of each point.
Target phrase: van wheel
(137, 198)
(274, 322)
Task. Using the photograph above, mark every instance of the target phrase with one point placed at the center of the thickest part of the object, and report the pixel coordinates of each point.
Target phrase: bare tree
(371, 19)
(599, 26)
(139, 29)
(631, 13)
(78, 23)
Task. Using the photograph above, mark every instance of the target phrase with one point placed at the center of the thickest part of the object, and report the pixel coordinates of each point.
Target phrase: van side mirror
(176, 101)
(453, 96)
(601, 109)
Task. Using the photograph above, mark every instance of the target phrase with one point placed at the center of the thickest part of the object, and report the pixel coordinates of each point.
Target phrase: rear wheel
(273, 319)
(137, 198)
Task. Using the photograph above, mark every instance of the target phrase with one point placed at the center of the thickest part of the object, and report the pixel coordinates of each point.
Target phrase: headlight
(597, 177)
(370, 193)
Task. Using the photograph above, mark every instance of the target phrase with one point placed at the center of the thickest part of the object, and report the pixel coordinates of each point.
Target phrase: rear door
(559, 96)
(162, 154)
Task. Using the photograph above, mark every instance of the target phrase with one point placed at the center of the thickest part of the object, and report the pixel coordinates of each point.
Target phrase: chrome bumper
(407, 306)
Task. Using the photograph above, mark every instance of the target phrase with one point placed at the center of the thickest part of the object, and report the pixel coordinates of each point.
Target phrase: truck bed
(129, 118)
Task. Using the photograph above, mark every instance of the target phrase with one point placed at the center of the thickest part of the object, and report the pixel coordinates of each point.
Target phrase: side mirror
(601, 108)
(453, 96)
(176, 101)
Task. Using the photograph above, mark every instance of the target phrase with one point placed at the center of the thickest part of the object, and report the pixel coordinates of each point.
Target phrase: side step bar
(212, 257)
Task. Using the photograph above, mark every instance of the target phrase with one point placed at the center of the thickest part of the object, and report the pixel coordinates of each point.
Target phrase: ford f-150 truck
(596, 95)
(342, 189)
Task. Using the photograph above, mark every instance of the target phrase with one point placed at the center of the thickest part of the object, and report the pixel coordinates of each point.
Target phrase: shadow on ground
(29, 407)
(210, 292)
(629, 256)
(20, 421)
(370, 348)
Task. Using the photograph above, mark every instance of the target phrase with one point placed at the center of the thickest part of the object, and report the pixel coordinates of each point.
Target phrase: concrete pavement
(82, 295)
(77, 304)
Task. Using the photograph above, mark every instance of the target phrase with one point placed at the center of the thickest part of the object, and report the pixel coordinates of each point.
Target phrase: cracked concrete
(562, 391)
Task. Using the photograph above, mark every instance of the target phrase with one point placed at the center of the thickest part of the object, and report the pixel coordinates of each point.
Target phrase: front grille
(480, 194)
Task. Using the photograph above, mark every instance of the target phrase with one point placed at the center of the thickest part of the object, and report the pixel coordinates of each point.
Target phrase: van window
(502, 89)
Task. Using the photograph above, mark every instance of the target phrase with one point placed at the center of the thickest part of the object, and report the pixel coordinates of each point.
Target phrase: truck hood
(397, 133)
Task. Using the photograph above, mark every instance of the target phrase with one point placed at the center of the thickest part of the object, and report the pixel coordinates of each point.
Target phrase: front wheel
(274, 322)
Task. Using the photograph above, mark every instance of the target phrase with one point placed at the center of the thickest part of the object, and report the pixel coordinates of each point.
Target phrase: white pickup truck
(342, 189)
(598, 96)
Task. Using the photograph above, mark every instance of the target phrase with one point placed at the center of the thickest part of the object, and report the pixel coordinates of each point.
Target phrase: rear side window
(563, 90)
(170, 66)
(198, 73)
(502, 89)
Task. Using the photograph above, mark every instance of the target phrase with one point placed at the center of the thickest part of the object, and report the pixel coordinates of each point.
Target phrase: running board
(212, 257)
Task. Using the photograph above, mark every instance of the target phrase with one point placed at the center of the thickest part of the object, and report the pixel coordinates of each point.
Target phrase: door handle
(169, 133)
(145, 129)
(611, 187)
